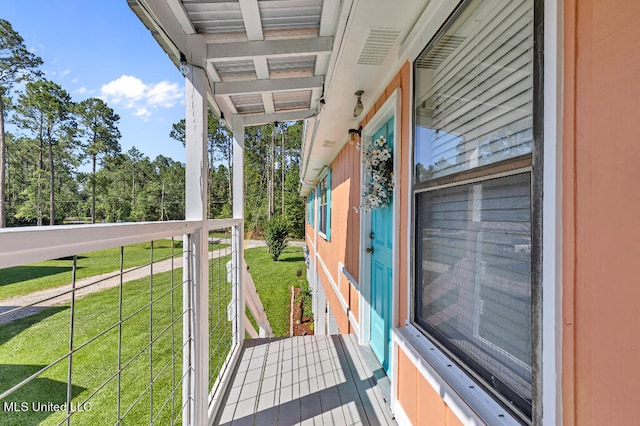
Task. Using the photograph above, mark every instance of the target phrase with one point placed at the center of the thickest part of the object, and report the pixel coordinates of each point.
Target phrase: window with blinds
(473, 134)
(474, 90)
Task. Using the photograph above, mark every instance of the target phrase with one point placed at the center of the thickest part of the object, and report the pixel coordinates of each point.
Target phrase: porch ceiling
(273, 60)
(265, 59)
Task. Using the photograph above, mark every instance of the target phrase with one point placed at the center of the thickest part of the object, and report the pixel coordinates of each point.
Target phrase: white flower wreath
(378, 163)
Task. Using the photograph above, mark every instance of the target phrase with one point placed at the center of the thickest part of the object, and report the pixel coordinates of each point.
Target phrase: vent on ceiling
(379, 43)
(440, 52)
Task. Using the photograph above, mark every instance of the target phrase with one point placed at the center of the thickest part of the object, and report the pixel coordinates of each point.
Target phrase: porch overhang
(284, 60)
(265, 60)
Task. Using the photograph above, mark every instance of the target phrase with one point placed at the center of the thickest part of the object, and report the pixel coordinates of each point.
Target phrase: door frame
(392, 107)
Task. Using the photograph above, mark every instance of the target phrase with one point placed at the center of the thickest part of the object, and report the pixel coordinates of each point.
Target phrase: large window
(473, 172)
(324, 208)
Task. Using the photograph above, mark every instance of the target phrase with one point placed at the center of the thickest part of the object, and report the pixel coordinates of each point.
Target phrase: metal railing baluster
(71, 330)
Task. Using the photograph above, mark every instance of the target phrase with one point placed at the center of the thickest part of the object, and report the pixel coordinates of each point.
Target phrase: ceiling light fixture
(222, 121)
(357, 110)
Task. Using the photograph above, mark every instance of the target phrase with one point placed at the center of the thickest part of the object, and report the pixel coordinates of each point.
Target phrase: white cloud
(132, 93)
(164, 94)
(125, 87)
(142, 113)
(81, 90)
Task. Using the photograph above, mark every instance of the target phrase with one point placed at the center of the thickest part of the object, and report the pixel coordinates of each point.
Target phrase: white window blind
(473, 240)
(474, 91)
(474, 284)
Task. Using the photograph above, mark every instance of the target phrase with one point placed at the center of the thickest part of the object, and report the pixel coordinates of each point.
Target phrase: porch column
(237, 125)
(195, 271)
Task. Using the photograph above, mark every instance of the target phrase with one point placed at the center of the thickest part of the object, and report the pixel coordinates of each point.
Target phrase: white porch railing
(180, 329)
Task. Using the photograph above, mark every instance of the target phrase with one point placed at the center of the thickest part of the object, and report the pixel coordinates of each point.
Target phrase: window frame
(311, 208)
(528, 163)
(324, 190)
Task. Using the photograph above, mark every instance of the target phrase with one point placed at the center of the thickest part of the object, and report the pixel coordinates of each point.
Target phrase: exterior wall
(420, 402)
(601, 207)
(344, 247)
(401, 80)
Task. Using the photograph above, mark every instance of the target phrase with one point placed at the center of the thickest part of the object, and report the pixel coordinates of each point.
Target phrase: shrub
(276, 233)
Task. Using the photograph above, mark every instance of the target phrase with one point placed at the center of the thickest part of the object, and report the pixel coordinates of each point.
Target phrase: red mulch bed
(302, 323)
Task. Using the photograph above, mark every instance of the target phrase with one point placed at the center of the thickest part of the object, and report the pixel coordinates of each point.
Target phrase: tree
(98, 126)
(219, 141)
(17, 64)
(276, 232)
(45, 110)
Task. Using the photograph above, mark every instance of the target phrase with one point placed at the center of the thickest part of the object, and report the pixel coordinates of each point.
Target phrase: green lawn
(26, 279)
(273, 281)
(29, 344)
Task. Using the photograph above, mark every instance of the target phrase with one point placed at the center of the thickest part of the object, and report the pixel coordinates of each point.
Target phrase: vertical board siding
(344, 246)
(401, 80)
(422, 404)
(601, 206)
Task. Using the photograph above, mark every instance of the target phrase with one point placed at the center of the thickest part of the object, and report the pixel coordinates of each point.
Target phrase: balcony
(164, 342)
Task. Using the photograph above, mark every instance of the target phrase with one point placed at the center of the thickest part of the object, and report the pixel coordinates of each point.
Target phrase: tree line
(42, 180)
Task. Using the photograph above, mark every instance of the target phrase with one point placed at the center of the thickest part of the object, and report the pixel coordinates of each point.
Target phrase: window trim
(326, 233)
(311, 208)
(471, 403)
(543, 10)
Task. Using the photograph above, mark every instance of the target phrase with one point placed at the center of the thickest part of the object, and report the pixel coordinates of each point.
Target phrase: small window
(324, 208)
(311, 208)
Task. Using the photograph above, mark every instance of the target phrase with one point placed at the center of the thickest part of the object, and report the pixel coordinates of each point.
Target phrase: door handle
(370, 250)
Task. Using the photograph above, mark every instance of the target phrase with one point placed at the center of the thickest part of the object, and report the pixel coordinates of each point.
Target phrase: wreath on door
(378, 162)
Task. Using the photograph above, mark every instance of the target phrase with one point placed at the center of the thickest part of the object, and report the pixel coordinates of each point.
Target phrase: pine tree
(17, 64)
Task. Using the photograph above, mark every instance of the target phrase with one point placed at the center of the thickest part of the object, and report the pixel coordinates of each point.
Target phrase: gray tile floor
(309, 380)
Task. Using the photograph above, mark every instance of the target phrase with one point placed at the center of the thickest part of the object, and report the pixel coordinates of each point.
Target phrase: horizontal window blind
(473, 118)
(474, 283)
(474, 91)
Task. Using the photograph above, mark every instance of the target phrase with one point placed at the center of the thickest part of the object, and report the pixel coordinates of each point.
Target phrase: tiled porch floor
(310, 380)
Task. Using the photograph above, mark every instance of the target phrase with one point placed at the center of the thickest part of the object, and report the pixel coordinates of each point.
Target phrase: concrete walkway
(12, 309)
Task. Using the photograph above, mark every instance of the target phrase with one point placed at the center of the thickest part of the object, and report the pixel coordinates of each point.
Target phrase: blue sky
(99, 48)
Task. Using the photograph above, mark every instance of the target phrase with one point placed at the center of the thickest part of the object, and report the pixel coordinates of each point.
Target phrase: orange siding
(402, 80)
(344, 246)
(345, 220)
(601, 207)
(332, 299)
(408, 387)
(308, 232)
(420, 402)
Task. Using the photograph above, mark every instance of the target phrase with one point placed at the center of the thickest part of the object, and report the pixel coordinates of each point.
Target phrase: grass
(21, 280)
(29, 344)
(273, 281)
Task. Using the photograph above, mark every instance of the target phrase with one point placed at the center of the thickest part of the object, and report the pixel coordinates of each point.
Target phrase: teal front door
(381, 240)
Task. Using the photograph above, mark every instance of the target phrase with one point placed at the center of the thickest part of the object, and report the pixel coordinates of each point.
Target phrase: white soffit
(266, 59)
(368, 59)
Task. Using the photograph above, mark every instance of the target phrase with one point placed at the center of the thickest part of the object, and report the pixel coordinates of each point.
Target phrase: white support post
(237, 242)
(196, 357)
